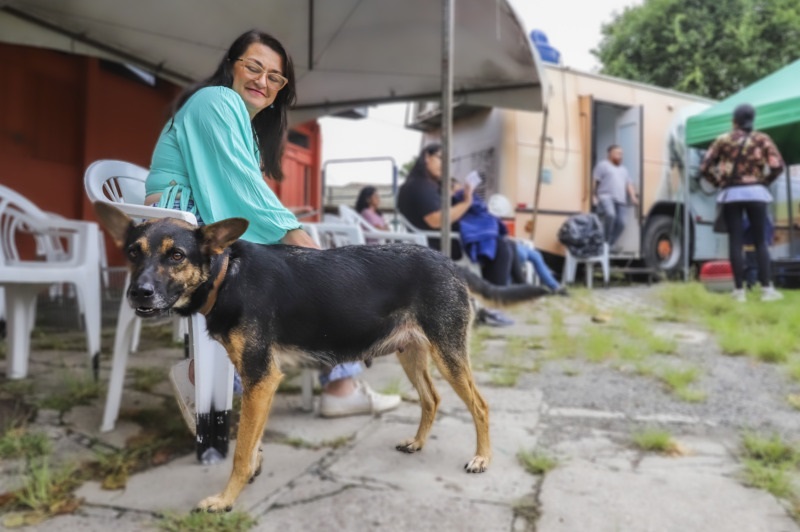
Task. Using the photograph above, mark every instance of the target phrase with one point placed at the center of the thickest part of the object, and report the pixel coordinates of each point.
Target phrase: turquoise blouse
(208, 154)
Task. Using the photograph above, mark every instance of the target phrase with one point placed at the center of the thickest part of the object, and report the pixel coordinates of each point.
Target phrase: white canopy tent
(347, 53)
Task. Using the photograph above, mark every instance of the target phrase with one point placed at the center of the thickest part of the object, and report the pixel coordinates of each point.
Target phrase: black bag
(719, 220)
(583, 235)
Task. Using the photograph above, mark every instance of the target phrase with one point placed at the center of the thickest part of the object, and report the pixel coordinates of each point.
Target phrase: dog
(273, 305)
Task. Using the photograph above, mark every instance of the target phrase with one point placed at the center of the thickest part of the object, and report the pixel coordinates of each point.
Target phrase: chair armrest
(413, 238)
(143, 211)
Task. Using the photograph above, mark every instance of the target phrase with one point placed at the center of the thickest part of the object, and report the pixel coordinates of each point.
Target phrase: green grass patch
(536, 462)
(19, 442)
(560, 343)
(206, 522)
(145, 379)
(654, 440)
(393, 387)
(768, 463)
(73, 391)
(598, 345)
(506, 377)
(46, 492)
(678, 381)
(300, 443)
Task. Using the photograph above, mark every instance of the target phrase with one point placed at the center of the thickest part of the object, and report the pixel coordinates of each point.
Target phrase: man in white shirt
(612, 189)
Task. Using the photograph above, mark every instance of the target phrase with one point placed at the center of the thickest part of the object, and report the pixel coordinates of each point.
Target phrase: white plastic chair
(122, 184)
(373, 235)
(571, 265)
(73, 260)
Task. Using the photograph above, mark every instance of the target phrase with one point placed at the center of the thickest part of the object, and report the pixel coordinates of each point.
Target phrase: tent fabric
(347, 53)
(776, 99)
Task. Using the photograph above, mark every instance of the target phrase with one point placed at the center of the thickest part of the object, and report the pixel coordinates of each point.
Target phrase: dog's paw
(478, 464)
(214, 504)
(409, 446)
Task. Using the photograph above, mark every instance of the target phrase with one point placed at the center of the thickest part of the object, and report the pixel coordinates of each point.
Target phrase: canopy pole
(791, 211)
(447, 117)
(542, 144)
(686, 209)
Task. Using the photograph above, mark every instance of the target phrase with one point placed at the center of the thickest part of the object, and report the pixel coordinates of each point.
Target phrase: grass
(206, 522)
(19, 442)
(655, 441)
(561, 345)
(505, 377)
(536, 462)
(300, 443)
(145, 379)
(768, 463)
(46, 492)
(679, 382)
(393, 387)
(74, 391)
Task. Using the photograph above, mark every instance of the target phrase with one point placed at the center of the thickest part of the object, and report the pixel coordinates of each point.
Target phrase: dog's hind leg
(415, 363)
(256, 404)
(457, 372)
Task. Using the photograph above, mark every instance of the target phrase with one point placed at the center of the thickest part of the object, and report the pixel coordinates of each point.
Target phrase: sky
(382, 133)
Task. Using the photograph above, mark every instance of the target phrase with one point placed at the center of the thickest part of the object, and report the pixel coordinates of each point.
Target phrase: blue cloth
(207, 154)
(480, 231)
(341, 371)
(755, 192)
(530, 254)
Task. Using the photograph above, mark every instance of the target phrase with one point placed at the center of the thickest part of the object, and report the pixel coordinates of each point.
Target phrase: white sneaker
(184, 393)
(770, 294)
(739, 295)
(363, 400)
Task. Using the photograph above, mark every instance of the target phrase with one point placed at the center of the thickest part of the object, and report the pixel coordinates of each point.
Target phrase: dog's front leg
(256, 404)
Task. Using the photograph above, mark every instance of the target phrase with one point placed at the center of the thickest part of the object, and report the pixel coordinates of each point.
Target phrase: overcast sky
(382, 134)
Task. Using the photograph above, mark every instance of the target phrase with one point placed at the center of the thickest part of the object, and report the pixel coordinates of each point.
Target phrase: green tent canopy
(776, 99)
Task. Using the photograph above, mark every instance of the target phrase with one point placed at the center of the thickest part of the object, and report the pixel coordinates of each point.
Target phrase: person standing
(736, 163)
(613, 189)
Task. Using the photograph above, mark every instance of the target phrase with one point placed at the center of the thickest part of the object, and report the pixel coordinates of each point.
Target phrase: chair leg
(307, 379)
(213, 377)
(606, 265)
(589, 274)
(20, 302)
(136, 335)
(90, 294)
(126, 326)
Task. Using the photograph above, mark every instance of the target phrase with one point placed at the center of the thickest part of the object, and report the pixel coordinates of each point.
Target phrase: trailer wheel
(662, 246)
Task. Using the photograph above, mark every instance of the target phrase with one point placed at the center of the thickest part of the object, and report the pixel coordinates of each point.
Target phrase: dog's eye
(133, 253)
(177, 256)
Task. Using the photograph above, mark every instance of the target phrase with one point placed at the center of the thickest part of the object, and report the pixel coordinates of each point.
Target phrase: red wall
(60, 112)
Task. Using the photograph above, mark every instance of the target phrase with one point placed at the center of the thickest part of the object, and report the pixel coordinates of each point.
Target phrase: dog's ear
(116, 222)
(220, 235)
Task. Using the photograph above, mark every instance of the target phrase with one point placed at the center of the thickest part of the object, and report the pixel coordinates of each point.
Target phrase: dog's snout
(142, 290)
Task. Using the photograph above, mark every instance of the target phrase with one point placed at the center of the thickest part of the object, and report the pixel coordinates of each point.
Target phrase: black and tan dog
(273, 304)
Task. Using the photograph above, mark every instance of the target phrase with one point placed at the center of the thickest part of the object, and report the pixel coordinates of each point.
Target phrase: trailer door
(629, 137)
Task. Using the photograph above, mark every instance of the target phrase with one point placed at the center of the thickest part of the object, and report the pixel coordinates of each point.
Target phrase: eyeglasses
(274, 80)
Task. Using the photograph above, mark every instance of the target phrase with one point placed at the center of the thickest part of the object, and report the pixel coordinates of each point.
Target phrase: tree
(709, 48)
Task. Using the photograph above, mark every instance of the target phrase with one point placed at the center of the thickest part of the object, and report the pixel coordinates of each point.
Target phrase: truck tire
(662, 247)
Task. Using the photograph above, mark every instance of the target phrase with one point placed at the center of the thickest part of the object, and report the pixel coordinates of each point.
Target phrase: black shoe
(561, 292)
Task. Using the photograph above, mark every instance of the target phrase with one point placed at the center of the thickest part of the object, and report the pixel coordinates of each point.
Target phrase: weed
(47, 492)
(207, 522)
(536, 462)
(114, 468)
(561, 345)
(794, 370)
(505, 377)
(18, 442)
(76, 391)
(144, 379)
(767, 462)
(655, 440)
(598, 345)
(300, 443)
(678, 382)
(18, 388)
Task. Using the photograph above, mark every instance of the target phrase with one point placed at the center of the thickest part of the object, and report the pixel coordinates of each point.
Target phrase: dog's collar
(212, 295)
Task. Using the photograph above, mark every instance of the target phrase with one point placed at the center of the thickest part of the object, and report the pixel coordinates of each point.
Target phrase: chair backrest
(350, 216)
(15, 209)
(115, 181)
(122, 183)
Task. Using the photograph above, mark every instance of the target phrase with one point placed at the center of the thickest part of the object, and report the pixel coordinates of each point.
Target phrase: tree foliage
(711, 48)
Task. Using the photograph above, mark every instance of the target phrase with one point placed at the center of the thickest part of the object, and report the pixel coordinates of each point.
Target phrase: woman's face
(375, 200)
(434, 164)
(251, 77)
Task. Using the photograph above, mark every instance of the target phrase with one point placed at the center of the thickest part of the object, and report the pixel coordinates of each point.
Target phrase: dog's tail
(500, 295)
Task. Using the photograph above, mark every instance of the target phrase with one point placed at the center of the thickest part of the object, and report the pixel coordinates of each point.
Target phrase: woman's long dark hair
(269, 126)
(363, 198)
(420, 169)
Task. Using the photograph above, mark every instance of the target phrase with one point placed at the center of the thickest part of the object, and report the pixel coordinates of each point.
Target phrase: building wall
(60, 112)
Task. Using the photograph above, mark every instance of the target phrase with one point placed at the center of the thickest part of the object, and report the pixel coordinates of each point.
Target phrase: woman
(367, 206)
(735, 162)
(225, 132)
(419, 200)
